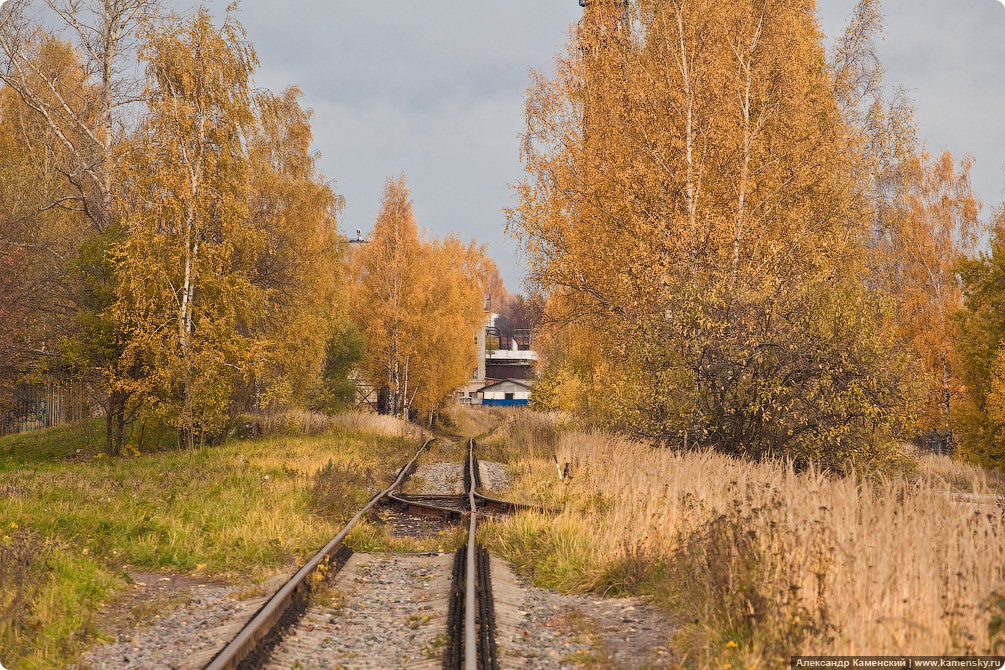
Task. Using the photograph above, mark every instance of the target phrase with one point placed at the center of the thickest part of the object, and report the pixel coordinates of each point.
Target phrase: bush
(338, 489)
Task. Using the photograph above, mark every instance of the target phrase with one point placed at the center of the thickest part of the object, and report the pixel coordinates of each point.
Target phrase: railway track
(471, 618)
(469, 635)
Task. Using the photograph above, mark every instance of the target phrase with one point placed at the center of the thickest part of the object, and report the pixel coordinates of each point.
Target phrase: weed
(995, 608)
(594, 655)
(324, 595)
(466, 422)
(417, 620)
(367, 536)
(522, 433)
(434, 648)
(340, 488)
(146, 609)
(25, 565)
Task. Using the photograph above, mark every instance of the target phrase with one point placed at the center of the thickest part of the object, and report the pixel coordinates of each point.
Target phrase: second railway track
(287, 633)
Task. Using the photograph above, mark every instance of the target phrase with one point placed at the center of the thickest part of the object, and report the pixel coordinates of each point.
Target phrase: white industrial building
(503, 355)
(506, 393)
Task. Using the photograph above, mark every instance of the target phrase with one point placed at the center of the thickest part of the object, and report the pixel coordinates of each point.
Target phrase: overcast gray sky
(434, 89)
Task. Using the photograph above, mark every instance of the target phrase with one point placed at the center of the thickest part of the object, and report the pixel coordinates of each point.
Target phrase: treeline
(171, 241)
(744, 245)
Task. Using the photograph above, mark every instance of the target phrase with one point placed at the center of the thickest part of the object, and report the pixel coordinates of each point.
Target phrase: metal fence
(43, 405)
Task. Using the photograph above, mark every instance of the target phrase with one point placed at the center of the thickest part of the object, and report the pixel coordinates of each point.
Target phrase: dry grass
(957, 474)
(301, 422)
(516, 427)
(468, 421)
(370, 422)
(523, 433)
(761, 561)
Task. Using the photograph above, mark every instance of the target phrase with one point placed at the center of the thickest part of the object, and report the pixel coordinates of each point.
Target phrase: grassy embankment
(760, 561)
(72, 521)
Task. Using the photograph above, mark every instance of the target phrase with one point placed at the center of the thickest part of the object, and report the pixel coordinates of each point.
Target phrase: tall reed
(762, 561)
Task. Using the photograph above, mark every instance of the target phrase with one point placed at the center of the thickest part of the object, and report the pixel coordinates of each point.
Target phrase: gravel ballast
(383, 611)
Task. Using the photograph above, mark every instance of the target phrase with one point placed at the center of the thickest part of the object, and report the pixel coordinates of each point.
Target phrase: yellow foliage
(694, 200)
(301, 265)
(230, 274)
(418, 303)
(931, 224)
(38, 239)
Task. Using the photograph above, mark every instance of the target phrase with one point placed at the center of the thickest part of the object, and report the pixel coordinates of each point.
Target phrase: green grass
(81, 440)
(71, 521)
(77, 441)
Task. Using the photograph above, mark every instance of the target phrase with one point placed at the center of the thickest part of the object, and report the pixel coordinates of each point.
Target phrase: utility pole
(611, 17)
(623, 3)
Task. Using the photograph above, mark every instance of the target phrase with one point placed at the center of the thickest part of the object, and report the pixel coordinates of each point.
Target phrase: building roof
(524, 383)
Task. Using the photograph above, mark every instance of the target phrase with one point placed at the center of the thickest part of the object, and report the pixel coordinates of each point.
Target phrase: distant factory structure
(505, 371)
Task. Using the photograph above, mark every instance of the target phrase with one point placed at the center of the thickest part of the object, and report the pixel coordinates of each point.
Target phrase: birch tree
(417, 303)
(452, 311)
(37, 240)
(186, 292)
(934, 225)
(389, 274)
(70, 66)
(691, 199)
(300, 268)
(979, 417)
(83, 124)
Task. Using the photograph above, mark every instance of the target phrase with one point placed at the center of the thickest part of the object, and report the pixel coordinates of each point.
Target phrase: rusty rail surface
(244, 644)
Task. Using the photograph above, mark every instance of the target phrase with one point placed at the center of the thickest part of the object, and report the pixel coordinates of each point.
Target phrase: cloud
(433, 89)
(947, 54)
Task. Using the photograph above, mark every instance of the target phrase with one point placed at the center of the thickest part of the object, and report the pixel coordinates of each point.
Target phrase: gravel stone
(448, 478)
(495, 477)
(390, 612)
(386, 611)
(541, 628)
(169, 619)
(441, 478)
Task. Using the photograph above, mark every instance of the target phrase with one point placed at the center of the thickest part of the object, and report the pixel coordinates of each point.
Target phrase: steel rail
(471, 620)
(453, 507)
(504, 506)
(427, 505)
(257, 628)
(470, 633)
